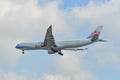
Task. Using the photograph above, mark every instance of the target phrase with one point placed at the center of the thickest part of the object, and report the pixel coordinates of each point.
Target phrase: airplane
(53, 46)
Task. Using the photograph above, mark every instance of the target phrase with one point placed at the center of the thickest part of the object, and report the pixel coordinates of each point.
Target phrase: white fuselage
(60, 45)
(52, 47)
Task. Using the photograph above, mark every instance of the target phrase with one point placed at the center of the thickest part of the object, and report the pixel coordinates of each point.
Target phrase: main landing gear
(59, 52)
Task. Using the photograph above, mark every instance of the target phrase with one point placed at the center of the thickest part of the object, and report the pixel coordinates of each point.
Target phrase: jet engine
(55, 50)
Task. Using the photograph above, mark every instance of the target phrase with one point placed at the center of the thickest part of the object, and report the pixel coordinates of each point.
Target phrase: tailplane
(95, 34)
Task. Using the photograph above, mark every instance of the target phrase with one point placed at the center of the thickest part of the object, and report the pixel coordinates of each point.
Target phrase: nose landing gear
(22, 51)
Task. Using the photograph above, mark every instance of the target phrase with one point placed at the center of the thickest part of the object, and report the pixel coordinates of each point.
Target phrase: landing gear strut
(59, 52)
(23, 52)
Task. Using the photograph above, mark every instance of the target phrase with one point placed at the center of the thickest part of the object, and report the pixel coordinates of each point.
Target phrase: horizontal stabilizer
(101, 40)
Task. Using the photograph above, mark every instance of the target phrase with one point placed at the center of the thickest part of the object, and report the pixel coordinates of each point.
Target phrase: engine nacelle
(51, 52)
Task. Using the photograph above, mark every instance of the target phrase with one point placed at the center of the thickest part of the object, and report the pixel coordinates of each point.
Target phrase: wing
(70, 49)
(49, 38)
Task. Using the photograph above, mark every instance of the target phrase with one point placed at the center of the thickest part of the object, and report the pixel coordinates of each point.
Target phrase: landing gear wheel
(23, 52)
(60, 53)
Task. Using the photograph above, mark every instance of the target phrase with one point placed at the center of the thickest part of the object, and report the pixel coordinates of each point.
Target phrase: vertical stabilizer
(95, 34)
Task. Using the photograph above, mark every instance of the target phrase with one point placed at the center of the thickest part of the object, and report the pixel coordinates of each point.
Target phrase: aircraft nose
(17, 46)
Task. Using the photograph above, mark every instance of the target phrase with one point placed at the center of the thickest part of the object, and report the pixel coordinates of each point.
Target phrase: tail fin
(95, 34)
